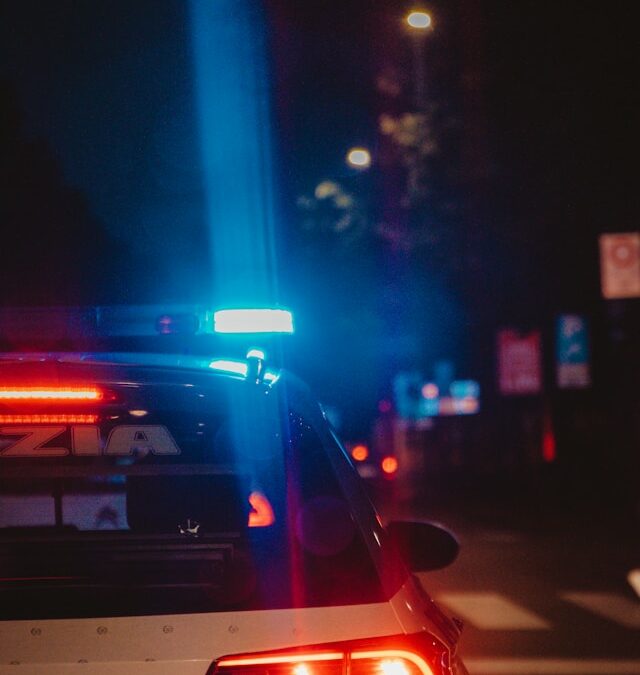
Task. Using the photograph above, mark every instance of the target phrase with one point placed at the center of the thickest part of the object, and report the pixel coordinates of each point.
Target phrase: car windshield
(172, 497)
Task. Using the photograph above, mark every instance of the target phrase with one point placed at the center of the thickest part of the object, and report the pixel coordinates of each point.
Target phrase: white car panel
(193, 639)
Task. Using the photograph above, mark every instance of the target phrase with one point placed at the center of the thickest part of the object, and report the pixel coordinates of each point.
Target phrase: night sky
(109, 87)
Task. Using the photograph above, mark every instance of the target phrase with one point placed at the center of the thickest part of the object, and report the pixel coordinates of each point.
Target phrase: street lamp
(419, 20)
(359, 158)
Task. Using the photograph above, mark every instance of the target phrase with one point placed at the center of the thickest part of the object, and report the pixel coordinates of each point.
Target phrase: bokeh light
(360, 452)
(389, 465)
(359, 158)
(419, 20)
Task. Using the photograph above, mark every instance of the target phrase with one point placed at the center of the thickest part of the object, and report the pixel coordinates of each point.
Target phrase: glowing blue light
(256, 354)
(429, 407)
(231, 367)
(232, 86)
(465, 389)
(270, 377)
(253, 321)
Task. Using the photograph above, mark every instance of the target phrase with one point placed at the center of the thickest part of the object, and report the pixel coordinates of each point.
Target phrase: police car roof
(27, 367)
(145, 365)
(110, 358)
(149, 368)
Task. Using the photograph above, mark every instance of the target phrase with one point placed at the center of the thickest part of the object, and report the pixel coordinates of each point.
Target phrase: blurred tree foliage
(335, 214)
(409, 199)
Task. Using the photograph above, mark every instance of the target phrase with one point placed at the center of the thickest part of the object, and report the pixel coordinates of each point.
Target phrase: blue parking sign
(572, 352)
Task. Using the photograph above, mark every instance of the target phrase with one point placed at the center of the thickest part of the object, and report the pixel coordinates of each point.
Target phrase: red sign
(519, 363)
(620, 265)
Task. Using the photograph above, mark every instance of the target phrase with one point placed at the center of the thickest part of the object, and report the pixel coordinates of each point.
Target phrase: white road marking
(634, 580)
(492, 611)
(512, 666)
(609, 605)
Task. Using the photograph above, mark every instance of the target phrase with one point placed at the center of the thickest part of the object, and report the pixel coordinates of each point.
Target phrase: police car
(175, 513)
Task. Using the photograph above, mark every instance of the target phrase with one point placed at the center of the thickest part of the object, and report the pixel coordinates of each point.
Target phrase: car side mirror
(424, 546)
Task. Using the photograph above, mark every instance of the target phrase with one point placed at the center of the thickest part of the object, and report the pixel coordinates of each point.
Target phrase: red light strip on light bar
(48, 419)
(47, 394)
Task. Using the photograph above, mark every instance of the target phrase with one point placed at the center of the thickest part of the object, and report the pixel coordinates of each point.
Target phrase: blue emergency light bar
(25, 323)
(253, 321)
(138, 329)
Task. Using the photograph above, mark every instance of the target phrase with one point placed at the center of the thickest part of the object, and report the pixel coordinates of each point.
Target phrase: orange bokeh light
(430, 390)
(261, 514)
(360, 452)
(389, 464)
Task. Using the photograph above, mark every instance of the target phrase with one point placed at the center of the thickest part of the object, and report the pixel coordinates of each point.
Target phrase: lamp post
(419, 23)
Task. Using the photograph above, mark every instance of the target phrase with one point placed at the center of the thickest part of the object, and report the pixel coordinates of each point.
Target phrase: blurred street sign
(417, 400)
(572, 352)
(620, 265)
(407, 395)
(519, 363)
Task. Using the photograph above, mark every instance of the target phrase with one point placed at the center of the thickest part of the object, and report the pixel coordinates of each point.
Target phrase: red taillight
(54, 394)
(49, 419)
(548, 439)
(549, 447)
(401, 655)
(278, 659)
(366, 662)
(261, 514)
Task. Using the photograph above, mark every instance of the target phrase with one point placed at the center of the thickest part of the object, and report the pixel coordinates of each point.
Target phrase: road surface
(539, 597)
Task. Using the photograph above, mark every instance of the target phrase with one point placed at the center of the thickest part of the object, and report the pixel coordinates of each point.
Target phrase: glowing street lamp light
(359, 158)
(419, 20)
